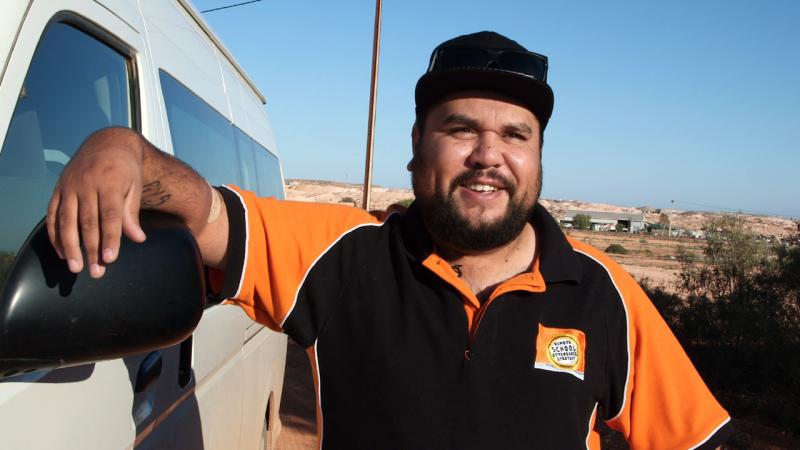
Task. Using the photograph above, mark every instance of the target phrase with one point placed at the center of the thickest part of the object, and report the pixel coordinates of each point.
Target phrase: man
(469, 321)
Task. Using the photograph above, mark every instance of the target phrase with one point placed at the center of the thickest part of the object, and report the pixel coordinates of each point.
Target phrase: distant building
(697, 234)
(606, 221)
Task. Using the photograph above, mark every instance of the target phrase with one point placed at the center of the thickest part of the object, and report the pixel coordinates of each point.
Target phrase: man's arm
(114, 174)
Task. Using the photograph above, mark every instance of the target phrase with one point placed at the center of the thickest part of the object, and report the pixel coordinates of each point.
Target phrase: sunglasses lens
(460, 58)
(523, 62)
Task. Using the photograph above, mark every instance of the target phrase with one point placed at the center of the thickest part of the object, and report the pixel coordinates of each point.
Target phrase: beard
(444, 220)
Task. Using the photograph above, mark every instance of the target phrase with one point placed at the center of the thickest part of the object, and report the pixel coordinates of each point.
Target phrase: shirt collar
(557, 260)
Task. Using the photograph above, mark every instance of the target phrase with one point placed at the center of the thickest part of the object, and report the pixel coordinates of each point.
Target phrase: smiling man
(469, 321)
(476, 176)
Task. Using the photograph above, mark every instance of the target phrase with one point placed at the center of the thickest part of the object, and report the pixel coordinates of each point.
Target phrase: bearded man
(468, 321)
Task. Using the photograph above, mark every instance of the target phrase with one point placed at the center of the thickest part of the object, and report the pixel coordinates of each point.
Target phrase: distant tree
(347, 200)
(736, 312)
(743, 292)
(733, 254)
(619, 227)
(582, 221)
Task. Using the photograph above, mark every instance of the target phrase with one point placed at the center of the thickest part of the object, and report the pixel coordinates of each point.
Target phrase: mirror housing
(153, 296)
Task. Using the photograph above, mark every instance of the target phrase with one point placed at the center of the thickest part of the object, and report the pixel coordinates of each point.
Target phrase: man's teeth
(482, 187)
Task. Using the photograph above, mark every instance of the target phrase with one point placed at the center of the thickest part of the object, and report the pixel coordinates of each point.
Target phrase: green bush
(347, 200)
(617, 248)
(736, 314)
(582, 221)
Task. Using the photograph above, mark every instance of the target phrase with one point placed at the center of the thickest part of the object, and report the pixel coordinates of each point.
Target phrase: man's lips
(483, 182)
(482, 187)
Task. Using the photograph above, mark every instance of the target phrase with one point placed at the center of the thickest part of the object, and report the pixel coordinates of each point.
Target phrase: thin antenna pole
(373, 94)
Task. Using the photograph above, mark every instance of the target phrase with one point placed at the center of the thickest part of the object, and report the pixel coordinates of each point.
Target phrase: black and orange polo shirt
(405, 357)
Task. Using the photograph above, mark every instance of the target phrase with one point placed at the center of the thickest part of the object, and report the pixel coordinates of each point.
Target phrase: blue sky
(693, 101)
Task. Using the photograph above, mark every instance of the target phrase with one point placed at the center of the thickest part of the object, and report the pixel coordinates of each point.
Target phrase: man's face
(476, 170)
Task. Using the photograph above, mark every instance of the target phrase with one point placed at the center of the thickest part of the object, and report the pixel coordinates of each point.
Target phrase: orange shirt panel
(667, 404)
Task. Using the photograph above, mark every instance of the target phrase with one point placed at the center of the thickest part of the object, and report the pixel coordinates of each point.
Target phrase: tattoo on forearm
(153, 194)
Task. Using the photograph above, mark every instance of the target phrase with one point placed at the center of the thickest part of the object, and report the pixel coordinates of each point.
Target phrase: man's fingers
(67, 229)
(90, 231)
(130, 215)
(51, 221)
(110, 207)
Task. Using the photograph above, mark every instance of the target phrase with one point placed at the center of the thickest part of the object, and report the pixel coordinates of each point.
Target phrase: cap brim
(534, 94)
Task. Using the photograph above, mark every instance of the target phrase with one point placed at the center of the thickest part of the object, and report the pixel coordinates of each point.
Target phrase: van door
(73, 69)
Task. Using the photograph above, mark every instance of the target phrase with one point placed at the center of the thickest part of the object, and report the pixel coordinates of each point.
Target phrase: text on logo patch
(561, 350)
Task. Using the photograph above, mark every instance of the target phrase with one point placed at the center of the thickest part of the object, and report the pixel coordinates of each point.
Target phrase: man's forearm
(170, 185)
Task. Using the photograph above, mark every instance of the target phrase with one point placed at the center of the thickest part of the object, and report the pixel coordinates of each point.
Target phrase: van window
(270, 183)
(201, 137)
(247, 165)
(75, 85)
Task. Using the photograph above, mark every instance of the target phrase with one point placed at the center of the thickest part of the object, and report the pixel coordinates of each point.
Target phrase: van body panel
(179, 48)
(198, 18)
(257, 362)
(217, 366)
(233, 88)
(262, 128)
(42, 414)
(125, 10)
(13, 12)
(150, 119)
(248, 113)
(234, 365)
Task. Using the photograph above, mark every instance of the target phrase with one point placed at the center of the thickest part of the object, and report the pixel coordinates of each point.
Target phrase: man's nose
(487, 151)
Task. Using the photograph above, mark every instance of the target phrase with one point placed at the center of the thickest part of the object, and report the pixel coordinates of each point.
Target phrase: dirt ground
(298, 404)
(649, 257)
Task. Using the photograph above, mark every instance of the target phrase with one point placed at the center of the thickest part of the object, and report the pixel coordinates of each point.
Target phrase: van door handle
(149, 370)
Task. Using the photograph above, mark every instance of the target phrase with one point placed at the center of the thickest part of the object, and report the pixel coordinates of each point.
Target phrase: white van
(67, 68)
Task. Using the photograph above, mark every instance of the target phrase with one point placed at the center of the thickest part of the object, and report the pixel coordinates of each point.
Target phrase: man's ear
(415, 137)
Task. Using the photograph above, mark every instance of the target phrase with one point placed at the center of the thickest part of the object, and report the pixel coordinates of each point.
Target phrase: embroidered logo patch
(561, 350)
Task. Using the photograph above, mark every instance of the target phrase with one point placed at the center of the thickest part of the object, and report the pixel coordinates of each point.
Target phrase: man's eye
(462, 130)
(517, 136)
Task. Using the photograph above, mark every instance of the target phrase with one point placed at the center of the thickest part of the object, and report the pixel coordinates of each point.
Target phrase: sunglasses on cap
(518, 61)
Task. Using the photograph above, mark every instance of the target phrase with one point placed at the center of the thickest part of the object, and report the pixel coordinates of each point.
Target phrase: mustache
(473, 174)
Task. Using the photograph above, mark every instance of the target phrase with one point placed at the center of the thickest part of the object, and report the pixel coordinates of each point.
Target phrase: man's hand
(115, 173)
(98, 198)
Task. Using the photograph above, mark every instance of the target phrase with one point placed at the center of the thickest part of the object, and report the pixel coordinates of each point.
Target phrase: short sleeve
(271, 247)
(659, 399)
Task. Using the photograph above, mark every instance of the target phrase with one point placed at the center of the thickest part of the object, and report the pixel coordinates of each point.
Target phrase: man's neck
(483, 271)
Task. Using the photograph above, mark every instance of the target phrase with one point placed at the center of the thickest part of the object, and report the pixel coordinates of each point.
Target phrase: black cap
(437, 83)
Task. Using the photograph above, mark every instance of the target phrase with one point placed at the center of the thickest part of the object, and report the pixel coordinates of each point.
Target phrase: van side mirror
(153, 296)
